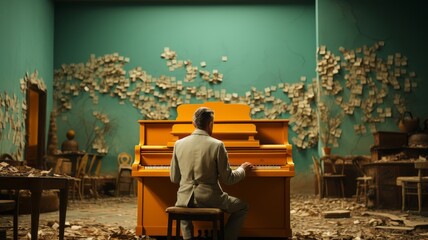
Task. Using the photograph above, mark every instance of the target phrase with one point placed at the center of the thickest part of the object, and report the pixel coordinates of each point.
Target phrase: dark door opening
(35, 127)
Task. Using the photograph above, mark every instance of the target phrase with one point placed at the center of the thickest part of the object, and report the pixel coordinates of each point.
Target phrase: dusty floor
(115, 218)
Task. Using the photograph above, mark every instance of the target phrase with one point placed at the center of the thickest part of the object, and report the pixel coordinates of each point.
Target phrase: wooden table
(36, 185)
(388, 194)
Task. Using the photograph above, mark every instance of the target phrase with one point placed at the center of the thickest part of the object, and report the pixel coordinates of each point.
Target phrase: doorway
(35, 127)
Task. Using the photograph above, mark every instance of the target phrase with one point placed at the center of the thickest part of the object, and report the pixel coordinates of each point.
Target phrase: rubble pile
(23, 170)
(327, 218)
(79, 230)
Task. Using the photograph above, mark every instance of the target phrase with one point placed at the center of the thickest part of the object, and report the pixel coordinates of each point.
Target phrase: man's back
(200, 161)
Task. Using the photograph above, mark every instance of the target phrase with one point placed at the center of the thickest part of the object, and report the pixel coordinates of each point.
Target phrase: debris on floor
(337, 214)
(80, 230)
(311, 218)
(327, 218)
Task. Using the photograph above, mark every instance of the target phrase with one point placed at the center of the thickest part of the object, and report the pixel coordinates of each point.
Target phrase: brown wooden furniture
(74, 157)
(318, 174)
(124, 174)
(77, 179)
(89, 177)
(214, 215)
(36, 185)
(364, 182)
(393, 143)
(95, 171)
(390, 139)
(12, 205)
(329, 173)
(384, 174)
(58, 165)
(414, 185)
(85, 171)
(262, 142)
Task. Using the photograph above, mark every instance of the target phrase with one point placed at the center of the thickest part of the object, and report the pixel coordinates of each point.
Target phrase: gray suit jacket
(199, 161)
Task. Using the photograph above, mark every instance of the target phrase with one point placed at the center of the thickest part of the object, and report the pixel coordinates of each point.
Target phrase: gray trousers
(237, 209)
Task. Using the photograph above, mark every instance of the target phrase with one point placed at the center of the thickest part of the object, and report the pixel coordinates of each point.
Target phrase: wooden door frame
(41, 137)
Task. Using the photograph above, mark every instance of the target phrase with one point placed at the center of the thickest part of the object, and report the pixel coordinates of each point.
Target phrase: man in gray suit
(198, 163)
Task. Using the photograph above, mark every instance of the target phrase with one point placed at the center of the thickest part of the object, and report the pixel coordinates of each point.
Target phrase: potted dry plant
(330, 119)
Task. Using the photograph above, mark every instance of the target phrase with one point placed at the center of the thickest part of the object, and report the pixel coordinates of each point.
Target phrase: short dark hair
(202, 117)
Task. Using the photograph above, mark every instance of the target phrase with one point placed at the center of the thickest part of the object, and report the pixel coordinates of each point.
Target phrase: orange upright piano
(261, 142)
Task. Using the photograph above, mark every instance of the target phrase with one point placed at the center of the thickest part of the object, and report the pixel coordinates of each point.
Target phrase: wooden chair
(76, 185)
(90, 178)
(326, 171)
(364, 182)
(124, 176)
(58, 165)
(97, 179)
(12, 206)
(215, 215)
(414, 185)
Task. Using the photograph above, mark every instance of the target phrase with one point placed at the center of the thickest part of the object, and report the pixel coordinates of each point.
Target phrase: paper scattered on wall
(13, 113)
(369, 79)
(360, 71)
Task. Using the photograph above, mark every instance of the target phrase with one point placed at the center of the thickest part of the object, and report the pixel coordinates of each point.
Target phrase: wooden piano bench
(214, 215)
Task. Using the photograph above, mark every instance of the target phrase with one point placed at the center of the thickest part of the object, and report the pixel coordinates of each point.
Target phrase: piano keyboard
(266, 167)
(155, 167)
(262, 167)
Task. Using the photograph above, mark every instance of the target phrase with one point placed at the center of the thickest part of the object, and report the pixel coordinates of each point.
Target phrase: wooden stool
(196, 214)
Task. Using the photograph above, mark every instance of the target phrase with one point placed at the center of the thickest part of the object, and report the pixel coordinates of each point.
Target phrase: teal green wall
(26, 45)
(355, 23)
(265, 44)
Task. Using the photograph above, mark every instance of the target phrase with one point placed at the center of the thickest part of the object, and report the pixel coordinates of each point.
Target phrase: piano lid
(222, 111)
